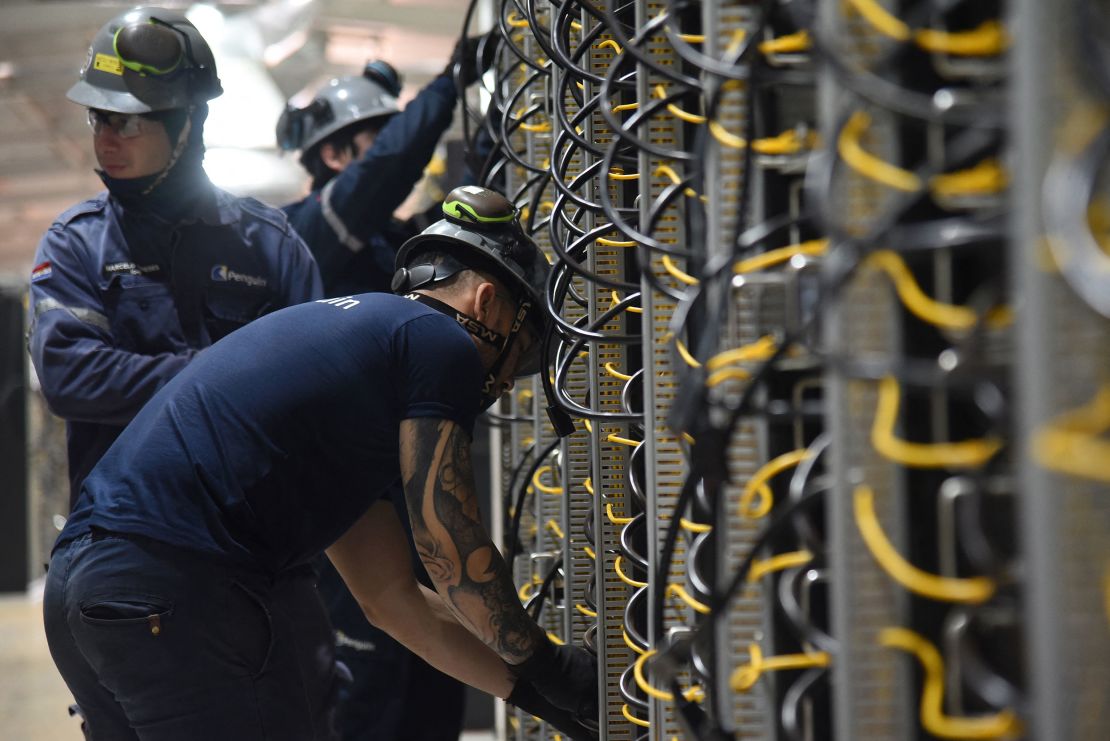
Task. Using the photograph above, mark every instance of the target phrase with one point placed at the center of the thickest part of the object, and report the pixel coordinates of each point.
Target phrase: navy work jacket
(349, 223)
(121, 303)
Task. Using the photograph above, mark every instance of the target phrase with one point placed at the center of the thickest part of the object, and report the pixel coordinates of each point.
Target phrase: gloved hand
(474, 55)
(564, 675)
(525, 697)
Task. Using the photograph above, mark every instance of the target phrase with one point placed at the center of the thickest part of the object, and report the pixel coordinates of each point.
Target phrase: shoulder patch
(42, 271)
(91, 206)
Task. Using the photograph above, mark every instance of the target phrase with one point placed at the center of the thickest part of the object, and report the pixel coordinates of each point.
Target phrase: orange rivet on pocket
(155, 624)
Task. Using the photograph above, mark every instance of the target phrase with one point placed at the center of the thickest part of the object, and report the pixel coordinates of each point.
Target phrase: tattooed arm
(373, 558)
(465, 566)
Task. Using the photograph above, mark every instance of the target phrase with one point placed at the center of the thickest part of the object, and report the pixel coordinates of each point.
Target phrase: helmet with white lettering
(147, 60)
(480, 231)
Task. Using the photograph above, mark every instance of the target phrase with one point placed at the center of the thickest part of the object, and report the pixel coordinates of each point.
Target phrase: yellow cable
(588, 484)
(627, 713)
(615, 373)
(987, 177)
(585, 610)
(669, 172)
(624, 577)
(575, 26)
(868, 164)
(716, 378)
(989, 39)
(589, 429)
(677, 272)
(680, 591)
(631, 309)
(638, 674)
(746, 675)
(589, 552)
(789, 44)
(694, 527)
(689, 359)
(613, 518)
(525, 591)
(615, 438)
(925, 308)
(626, 107)
(604, 242)
(972, 591)
(555, 639)
(757, 484)
(788, 142)
(545, 488)
(780, 562)
(881, 19)
(722, 135)
(965, 454)
(812, 248)
(610, 43)
(761, 349)
(628, 642)
(661, 93)
(553, 526)
(619, 174)
(933, 719)
(524, 395)
(1071, 443)
(516, 21)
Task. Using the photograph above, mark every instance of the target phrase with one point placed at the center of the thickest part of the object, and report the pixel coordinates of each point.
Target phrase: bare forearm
(434, 635)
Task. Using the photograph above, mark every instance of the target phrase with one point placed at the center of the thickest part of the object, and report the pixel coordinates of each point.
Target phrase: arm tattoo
(466, 567)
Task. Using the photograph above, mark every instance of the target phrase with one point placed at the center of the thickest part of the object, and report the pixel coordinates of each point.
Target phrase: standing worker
(174, 607)
(130, 285)
(365, 154)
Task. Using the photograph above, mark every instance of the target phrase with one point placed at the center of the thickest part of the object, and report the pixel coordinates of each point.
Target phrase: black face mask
(183, 190)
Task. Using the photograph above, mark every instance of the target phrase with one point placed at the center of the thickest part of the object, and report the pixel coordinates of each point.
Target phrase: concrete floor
(33, 698)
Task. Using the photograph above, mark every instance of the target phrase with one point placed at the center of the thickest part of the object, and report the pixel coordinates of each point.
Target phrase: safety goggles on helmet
(124, 125)
(153, 47)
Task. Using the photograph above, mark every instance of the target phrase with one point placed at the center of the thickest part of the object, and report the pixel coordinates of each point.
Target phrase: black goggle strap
(484, 333)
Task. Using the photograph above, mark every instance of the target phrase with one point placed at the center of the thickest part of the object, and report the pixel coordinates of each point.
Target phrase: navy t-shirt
(272, 442)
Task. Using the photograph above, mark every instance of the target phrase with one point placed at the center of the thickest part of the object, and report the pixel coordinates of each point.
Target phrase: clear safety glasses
(125, 125)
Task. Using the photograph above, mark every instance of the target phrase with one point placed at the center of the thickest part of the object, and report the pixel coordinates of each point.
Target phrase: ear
(484, 303)
(331, 156)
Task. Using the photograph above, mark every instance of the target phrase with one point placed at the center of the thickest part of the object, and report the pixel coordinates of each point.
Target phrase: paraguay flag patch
(41, 271)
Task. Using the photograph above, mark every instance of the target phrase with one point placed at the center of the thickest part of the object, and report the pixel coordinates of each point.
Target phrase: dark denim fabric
(158, 644)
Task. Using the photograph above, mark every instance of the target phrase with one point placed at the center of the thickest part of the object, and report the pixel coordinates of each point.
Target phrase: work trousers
(159, 644)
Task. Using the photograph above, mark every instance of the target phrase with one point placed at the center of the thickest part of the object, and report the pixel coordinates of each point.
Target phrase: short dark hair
(342, 141)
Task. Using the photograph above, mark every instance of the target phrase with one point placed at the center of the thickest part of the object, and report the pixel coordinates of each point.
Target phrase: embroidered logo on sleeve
(41, 271)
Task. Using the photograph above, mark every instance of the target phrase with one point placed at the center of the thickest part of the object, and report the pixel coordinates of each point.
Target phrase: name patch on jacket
(130, 268)
(224, 274)
(41, 271)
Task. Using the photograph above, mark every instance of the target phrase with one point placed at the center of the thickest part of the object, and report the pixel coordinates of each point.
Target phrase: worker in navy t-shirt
(178, 604)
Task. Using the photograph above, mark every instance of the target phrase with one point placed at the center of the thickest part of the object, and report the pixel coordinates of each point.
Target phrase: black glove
(525, 697)
(565, 675)
(474, 55)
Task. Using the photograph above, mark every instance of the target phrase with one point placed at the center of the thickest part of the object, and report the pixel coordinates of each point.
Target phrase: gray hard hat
(480, 231)
(341, 102)
(146, 60)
